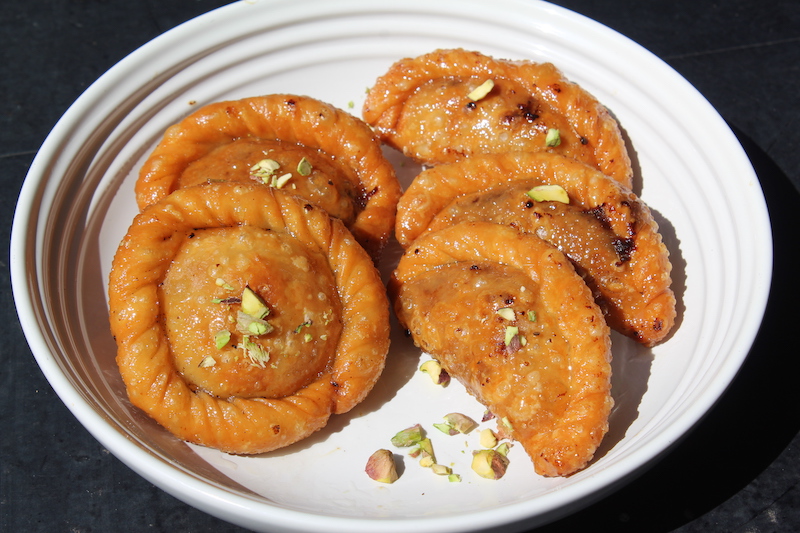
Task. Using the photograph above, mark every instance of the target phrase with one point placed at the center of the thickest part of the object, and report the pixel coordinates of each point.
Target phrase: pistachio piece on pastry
(295, 143)
(604, 228)
(244, 316)
(545, 370)
(438, 107)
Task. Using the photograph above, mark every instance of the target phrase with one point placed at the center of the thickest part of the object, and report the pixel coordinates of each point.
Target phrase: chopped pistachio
(504, 448)
(461, 423)
(424, 450)
(454, 478)
(257, 327)
(441, 470)
(511, 332)
(222, 338)
(506, 423)
(304, 167)
(434, 369)
(224, 284)
(351, 104)
(381, 467)
(489, 464)
(549, 193)
(253, 305)
(507, 313)
(447, 429)
(516, 344)
(231, 300)
(279, 181)
(207, 362)
(488, 438)
(408, 437)
(264, 169)
(249, 325)
(307, 337)
(257, 355)
(532, 316)
(303, 325)
(481, 90)
(553, 137)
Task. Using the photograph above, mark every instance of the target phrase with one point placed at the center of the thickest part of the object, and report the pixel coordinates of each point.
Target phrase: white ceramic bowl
(77, 202)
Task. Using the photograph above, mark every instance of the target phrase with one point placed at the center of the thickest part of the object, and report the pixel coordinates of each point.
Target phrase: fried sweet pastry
(296, 143)
(506, 314)
(606, 230)
(244, 317)
(425, 107)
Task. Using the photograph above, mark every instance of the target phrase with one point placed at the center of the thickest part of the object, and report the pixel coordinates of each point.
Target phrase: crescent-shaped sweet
(605, 229)
(507, 315)
(245, 317)
(296, 143)
(448, 104)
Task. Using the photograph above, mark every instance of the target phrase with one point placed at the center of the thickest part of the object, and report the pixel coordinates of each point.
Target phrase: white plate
(77, 202)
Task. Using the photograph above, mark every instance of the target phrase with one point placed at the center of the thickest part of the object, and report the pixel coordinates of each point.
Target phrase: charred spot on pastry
(599, 212)
(624, 249)
(371, 193)
(524, 111)
(527, 111)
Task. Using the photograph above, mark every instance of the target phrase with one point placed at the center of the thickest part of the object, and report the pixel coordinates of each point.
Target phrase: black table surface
(738, 470)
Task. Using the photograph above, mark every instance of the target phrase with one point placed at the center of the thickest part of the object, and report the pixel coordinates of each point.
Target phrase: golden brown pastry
(295, 143)
(245, 317)
(606, 230)
(426, 107)
(506, 314)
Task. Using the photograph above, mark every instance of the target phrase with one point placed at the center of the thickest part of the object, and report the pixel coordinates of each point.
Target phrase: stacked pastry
(244, 299)
(523, 243)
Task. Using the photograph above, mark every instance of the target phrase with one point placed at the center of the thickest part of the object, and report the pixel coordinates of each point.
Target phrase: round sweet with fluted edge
(242, 425)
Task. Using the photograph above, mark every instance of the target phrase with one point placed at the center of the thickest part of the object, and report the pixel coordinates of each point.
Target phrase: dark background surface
(737, 471)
